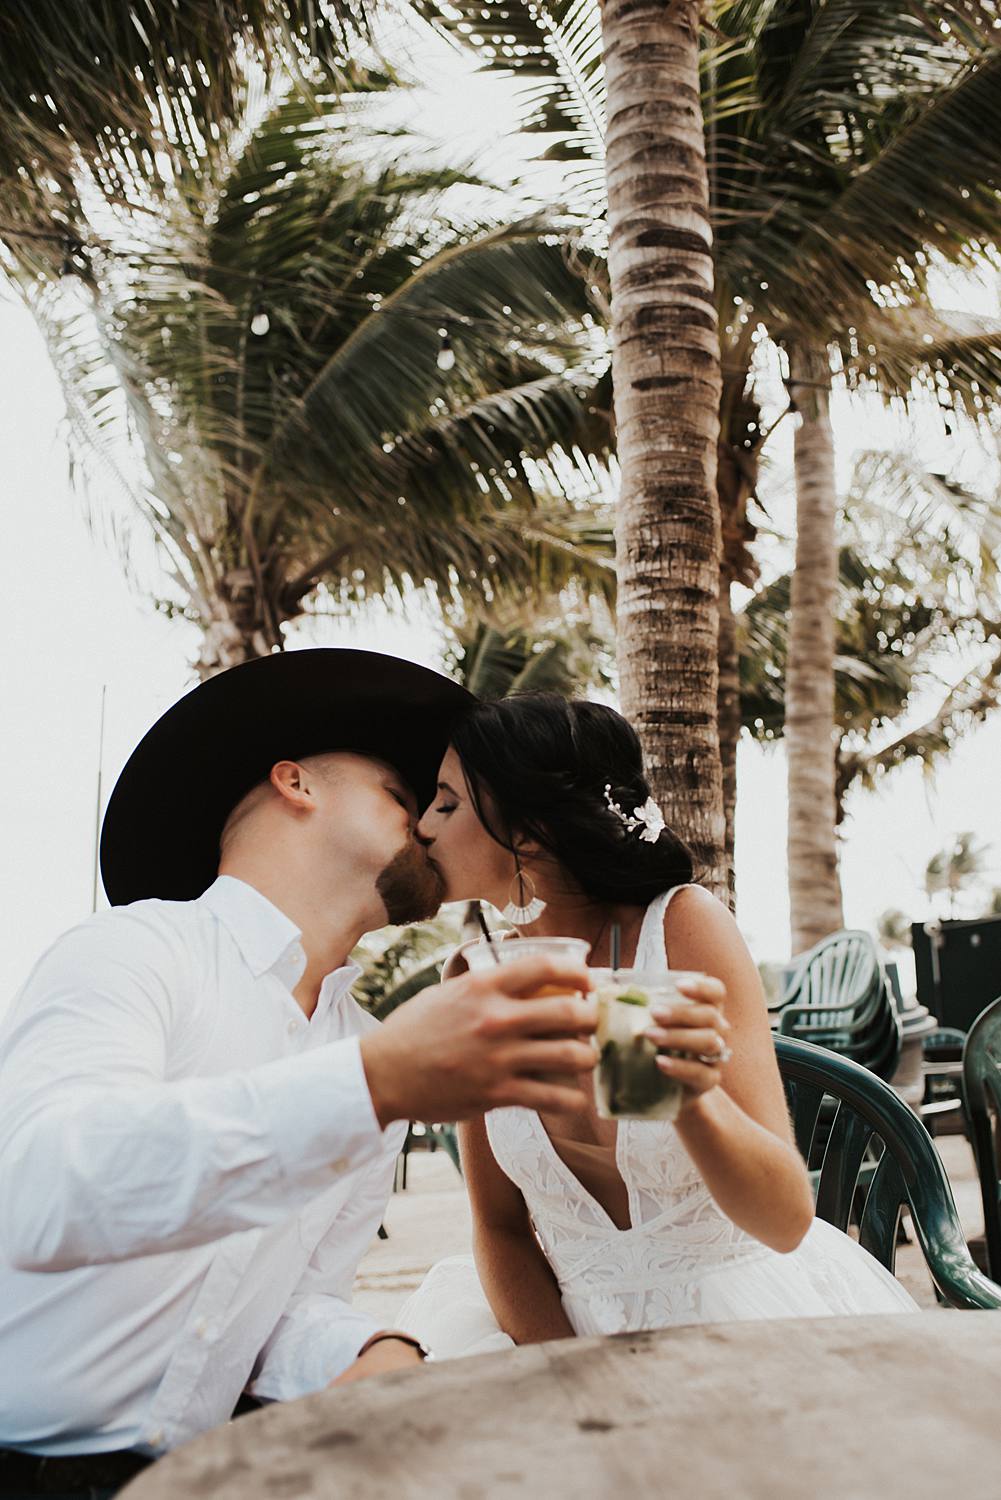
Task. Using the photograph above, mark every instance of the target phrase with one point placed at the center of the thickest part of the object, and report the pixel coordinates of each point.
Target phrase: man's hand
(383, 1357)
(480, 1041)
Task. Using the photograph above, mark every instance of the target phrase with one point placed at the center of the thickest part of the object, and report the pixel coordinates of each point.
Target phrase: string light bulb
(260, 323)
(446, 354)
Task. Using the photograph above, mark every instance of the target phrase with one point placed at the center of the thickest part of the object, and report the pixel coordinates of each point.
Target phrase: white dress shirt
(189, 1173)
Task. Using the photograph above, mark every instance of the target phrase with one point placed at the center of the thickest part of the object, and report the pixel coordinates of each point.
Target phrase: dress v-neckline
(654, 912)
(578, 1187)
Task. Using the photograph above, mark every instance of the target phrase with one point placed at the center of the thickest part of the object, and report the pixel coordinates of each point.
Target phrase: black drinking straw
(616, 945)
(481, 919)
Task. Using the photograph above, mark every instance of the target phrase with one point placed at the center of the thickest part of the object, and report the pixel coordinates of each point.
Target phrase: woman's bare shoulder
(698, 926)
(695, 903)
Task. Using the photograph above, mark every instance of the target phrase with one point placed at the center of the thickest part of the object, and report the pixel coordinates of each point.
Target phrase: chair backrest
(910, 1172)
(835, 971)
(838, 996)
(982, 1098)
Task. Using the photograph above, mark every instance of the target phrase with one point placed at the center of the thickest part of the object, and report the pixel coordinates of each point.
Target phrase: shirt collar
(269, 940)
(263, 933)
(335, 986)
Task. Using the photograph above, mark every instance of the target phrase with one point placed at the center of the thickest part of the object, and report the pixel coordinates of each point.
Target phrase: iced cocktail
(564, 950)
(484, 955)
(628, 1084)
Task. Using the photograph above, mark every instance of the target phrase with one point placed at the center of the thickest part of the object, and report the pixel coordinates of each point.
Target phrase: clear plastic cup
(628, 1084)
(565, 950)
(481, 955)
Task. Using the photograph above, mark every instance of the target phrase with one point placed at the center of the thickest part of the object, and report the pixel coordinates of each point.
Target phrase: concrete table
(837, 1408)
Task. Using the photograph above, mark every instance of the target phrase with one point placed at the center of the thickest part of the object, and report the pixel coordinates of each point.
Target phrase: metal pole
(97, 810)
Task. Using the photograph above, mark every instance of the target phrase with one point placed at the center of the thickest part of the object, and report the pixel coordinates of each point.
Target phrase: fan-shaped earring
(520, 911)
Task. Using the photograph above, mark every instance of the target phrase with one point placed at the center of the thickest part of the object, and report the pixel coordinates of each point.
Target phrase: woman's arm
(518, 1281)
(737, 1133)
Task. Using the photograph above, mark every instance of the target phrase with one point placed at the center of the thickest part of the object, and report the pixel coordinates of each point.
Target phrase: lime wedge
(633, 997)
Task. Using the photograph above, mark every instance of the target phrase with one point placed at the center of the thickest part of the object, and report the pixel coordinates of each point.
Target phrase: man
(198, 1125)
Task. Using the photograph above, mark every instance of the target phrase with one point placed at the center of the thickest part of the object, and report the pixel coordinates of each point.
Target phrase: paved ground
(427, 1222)
(431, 1220)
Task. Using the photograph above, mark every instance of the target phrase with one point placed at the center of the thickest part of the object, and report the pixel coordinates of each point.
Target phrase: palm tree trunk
(728, 716)
(814, 885)
(238, 628)
(666, 378)
(736, 481)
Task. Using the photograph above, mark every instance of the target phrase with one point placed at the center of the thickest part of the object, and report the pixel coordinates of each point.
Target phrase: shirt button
(201, 1329)
(155, 1438)
(293, 1027)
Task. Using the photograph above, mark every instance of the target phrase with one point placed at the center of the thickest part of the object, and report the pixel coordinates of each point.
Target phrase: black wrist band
(399, 1338)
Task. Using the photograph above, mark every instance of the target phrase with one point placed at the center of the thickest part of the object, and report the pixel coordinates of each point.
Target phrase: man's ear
(291, 781)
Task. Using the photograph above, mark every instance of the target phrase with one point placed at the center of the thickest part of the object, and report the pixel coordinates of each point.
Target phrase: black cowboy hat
(166, 814)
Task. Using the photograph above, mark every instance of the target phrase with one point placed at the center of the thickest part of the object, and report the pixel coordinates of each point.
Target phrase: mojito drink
(628, 1084)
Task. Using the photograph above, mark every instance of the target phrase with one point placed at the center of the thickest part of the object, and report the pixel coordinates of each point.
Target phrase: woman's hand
(691, 1035)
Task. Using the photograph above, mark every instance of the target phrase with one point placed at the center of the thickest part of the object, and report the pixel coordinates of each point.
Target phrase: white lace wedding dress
(680, 1261)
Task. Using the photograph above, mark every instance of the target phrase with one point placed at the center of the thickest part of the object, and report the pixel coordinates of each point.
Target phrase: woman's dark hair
(545, 761)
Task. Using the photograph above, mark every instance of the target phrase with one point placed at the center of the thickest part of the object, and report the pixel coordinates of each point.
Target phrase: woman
(583, 1226)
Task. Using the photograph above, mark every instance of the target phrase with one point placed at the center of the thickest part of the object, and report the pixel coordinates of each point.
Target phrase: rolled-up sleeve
(103, 1157)
(321, 1333)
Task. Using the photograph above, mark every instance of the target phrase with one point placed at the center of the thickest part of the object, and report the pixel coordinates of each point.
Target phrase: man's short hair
(321, 766)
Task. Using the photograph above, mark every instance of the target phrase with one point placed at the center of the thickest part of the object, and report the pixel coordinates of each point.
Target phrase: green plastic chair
(434, 1137)
(909, 1172)
(838, 997)
(982, 1100)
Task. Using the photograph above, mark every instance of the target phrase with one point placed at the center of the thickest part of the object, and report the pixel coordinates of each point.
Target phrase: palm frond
(902, 618)
(504, 287)
(919, 599)
(922, 350)
(840, 61)
(498, 554)
(508, 652)
(931, 182)
(276, 351)
(943, 519)
(554, 49)
(966, 704)
(131, 93)
(397, 963)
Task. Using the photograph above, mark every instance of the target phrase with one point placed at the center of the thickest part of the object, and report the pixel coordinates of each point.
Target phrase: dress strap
(651, 950)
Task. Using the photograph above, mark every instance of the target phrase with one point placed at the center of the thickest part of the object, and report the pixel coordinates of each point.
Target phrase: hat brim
(166, 814)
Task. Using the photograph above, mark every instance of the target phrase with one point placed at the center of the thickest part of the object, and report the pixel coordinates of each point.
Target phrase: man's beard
(411, 886)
